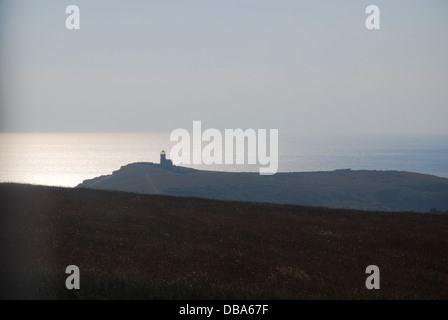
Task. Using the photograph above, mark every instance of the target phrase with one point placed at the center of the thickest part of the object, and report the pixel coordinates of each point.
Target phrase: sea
(67, 159)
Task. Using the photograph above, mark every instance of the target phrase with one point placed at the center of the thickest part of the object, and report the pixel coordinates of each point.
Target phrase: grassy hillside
(161, 247)
(361, 190)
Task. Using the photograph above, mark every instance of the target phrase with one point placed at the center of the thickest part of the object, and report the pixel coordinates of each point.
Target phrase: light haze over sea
(66, 159)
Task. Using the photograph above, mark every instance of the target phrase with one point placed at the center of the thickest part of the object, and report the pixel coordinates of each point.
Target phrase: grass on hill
(131, 246)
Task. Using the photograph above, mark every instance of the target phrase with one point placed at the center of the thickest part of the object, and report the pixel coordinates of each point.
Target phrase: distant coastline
(67, 159)
(344, 188)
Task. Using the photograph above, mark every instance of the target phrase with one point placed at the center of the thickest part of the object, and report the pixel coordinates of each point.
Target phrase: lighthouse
(164, 162)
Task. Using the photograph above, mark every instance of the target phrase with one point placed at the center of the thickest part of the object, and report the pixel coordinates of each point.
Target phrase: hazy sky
(298, 66)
